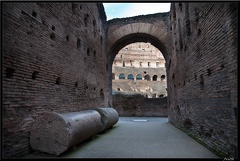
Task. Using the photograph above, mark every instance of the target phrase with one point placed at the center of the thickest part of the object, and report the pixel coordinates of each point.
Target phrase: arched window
(130, 76)
(139, 77)
(155, 78)
(113, 76)
(121, 76)
(162, 77)
(161, 95)
(147, 77)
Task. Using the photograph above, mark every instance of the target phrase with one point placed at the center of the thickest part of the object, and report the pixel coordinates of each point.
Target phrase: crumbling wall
(54, 59)
(138, 105)
(203, 73)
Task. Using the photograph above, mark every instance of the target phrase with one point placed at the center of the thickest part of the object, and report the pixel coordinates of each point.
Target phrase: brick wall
(138, 105)
(203, 73)
(54, 59)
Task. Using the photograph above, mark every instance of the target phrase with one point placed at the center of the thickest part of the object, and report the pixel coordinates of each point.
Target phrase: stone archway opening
(140, 75)
(155, 78)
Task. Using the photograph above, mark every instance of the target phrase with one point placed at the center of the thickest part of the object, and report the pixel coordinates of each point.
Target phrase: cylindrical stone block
(109, 117)
(54, 133)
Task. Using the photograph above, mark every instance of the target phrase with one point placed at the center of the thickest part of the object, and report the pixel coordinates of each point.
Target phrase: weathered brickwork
(138, 105)
(54, 59)
(58, 57)
(203, 73)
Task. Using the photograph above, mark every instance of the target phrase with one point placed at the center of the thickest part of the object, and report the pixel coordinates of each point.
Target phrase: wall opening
(102, 94)
(130, 76)
(34, 75)
(52, 36)
(9, 72)
(58, 80)
(74, 8)
(139, 77)
(34, 14)
(53, 28)
(76, 84)
(123, 63)
(155, 78)
(86, 16)
(67, 38)
(88, 51)
(134, 58)
(113, 76)
(121, 76)
(147, 77)
(143, 62)
(78, 43)
(162, 77)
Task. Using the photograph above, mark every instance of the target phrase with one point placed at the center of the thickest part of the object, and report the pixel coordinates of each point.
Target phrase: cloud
(120, 10)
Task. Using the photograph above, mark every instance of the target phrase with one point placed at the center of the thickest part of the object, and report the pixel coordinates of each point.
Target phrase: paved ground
(137, 137)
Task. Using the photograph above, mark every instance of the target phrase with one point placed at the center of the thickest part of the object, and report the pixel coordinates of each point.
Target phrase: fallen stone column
(55, 133)
(109, 117)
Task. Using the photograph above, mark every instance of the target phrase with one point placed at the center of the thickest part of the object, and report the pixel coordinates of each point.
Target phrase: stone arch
(122, 32)
(139, 77)
(130, 76)
(154, 78)
(121, 76)
(163, 77)
(132, 38)
(147, 77)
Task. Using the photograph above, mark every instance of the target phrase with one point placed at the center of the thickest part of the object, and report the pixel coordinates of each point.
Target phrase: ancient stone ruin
(139, 71)
(58, 57)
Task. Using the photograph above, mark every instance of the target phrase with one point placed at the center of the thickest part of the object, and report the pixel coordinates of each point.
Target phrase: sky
(121, 10)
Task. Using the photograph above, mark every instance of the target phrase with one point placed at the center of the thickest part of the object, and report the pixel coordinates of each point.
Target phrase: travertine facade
(59, 56)
(139, 71)
(140, 68)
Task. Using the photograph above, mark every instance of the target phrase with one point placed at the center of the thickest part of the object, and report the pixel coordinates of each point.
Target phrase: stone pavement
(137, 137)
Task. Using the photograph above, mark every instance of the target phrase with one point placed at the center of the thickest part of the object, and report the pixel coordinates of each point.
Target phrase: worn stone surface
(58, 57)
(55, 133)
(109, 117)
(203, 73)
(138, 105)
(149, 89)
(54, 59)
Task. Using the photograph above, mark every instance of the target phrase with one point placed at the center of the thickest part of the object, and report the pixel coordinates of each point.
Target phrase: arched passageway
(139, 77)
(147, 77)
(130, 76)
(121, 76)
(132, 38)
(122, 32)
(154, 78)
(200, 105)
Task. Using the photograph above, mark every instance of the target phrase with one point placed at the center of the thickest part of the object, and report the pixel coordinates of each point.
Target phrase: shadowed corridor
(137, 137)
